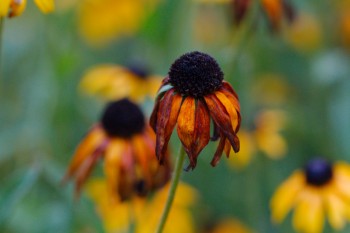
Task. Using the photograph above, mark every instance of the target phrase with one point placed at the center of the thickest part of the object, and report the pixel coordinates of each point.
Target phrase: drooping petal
(222, 119)
(218, 152)
(186, 127)
(231, 110)
(227, 148)
(46, 6)
(284, 198)
(91, 142)
(309, 212)
(87, 166)
(167, 115)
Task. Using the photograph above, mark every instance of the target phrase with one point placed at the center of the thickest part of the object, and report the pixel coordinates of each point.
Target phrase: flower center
(195, 74)
(318, 172)
(122, 119)
(139, 70)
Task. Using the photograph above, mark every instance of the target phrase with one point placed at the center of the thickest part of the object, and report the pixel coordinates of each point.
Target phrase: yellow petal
(309, 212)
(17, 8)
(335, 209)
(285, 196)
(46, 6)
(4, 7)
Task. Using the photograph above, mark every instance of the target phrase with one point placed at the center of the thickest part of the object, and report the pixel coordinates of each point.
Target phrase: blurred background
(290, 67)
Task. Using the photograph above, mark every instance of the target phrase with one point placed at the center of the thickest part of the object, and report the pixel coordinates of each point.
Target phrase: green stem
(1, 35)
(172, 190)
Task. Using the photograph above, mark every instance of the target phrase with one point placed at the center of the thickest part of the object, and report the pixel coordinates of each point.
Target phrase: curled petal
(186, 127)
(86, 167)
(222, 119)
(232, 112)
(85, 149)
(218, 152)
(197, 139)
(168, 111)
(227, 148)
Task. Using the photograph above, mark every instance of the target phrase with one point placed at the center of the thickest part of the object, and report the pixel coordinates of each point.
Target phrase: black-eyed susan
(102, 21)
(229, 225)
(321, 189)
(113, 82)
(117, 216)
(265, 136)
(127, 144)
(12, 8)
(193, 93)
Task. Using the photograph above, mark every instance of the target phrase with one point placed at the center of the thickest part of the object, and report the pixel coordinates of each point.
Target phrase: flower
(266, 137)
(102, 21)
(229, 225)
(127, 145)
(321, 189)
(193, 93)
(114, 82)
(116, 215)
(12, 8)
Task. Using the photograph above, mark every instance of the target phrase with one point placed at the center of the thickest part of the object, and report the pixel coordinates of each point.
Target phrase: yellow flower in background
(127, 144)
(101, 21)
(265, 137)
(321, 190)
(305, 33)
(113, 82)
(145, 213)
(12, 8)
(230, 225)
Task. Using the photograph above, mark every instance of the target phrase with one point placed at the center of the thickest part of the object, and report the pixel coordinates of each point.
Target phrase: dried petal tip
(195, 74)
(318, 172)
(123, 119)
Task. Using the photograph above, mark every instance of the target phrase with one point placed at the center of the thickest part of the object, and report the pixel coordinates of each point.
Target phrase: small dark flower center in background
(195, 74)
(140, 70)
(122, 119)
(318, 172)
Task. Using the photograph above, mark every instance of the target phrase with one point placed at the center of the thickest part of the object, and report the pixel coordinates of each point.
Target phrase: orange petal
(218, 152)
(86, 167)
(227, 148)
(231, 110)
(222, 119)
(166, 119)
(186, 127)
(92, 141)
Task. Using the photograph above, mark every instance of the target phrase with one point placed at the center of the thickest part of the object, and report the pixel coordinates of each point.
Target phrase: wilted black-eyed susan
(127, 144)
(113, 82)
(12, 8)
(321, 190)
(193, 93)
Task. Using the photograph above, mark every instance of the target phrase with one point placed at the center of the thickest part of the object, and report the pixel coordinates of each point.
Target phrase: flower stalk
(174, 183)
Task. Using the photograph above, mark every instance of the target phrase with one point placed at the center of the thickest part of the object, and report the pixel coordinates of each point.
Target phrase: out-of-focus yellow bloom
(113, 82)
(345, 28)
(320, 190)
(145, 214)
(12, 8)
(265, 137)
(100, 21)
(230, 226)
(305, 33)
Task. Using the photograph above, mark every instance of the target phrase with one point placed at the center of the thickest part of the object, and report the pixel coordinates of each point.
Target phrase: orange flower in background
(266, 137)
(113, 82)
(143, 213)
(12, 8)
(101, 21)
(320, 190)
(276, 11)
(192, 94)
(127, 144)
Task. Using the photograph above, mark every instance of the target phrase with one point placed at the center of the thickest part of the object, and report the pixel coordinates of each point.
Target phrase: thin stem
(132, 224)
(172, 190)
(1, 35)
